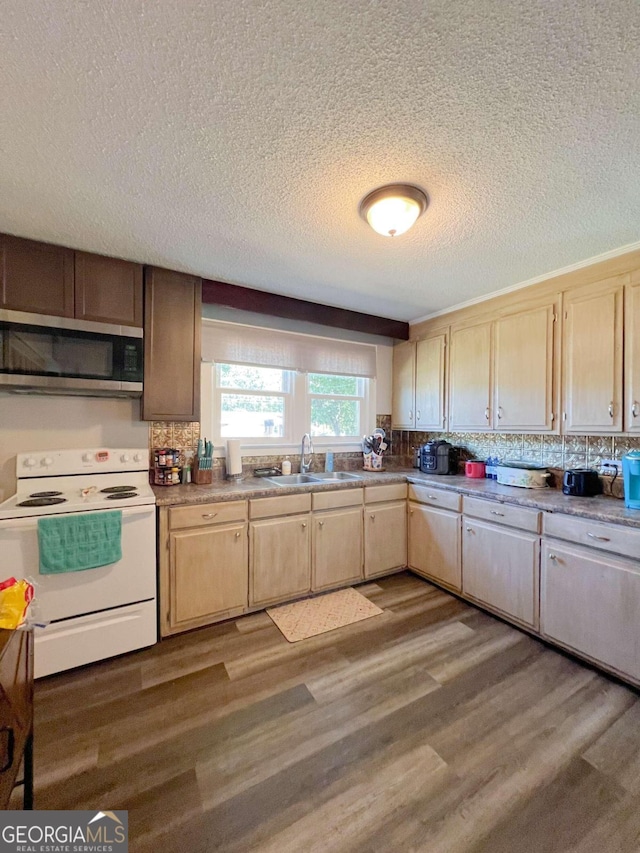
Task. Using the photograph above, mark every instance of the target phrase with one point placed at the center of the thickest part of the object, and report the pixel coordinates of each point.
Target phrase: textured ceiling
(235, 138)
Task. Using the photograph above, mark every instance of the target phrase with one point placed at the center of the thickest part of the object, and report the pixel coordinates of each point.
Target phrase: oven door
(132, 579)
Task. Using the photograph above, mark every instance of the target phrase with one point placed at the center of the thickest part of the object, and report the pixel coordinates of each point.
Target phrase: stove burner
(45, 494)
(112, 490)
(119, 495)
(43, 501)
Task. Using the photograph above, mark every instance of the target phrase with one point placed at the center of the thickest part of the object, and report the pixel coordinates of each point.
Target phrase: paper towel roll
(234, 457)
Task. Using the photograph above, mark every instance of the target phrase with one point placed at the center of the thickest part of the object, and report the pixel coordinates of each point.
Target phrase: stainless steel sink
(291, 480)
(310, 479)
(335, 475)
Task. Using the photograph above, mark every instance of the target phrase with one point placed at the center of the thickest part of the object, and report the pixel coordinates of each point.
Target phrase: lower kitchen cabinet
(385, 538)
(500, 569)
(337, 547)
(434, 544)
(590, 603)
(209, 574)
(280, 566)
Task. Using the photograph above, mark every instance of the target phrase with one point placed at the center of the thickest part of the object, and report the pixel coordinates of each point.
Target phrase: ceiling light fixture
(391, 210)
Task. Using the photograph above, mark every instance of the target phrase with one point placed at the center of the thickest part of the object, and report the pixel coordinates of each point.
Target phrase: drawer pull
(11, 740)
(432, 497)
(470, 530)
(599, 538)
(495, 512)
(209, 514)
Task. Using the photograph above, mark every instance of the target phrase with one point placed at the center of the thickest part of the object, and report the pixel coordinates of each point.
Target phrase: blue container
(631, 474)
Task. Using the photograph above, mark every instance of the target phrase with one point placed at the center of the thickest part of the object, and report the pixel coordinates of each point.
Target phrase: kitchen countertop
(600, 508)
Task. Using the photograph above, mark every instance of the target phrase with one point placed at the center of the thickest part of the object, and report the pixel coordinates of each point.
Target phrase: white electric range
(96, 613)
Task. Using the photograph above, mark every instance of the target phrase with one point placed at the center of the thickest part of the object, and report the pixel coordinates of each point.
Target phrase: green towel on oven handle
(84, 540)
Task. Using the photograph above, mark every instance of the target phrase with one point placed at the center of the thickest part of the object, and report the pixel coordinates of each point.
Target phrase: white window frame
(297, 416)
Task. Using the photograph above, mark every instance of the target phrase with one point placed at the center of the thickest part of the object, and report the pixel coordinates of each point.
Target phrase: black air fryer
(439, 457)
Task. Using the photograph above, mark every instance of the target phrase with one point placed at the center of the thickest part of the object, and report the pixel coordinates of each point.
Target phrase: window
(270, 407)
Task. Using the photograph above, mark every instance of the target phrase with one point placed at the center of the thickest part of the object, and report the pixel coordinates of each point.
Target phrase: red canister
(474, 469)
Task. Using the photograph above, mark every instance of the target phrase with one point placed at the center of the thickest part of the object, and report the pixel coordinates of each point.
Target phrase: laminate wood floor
(432, 727)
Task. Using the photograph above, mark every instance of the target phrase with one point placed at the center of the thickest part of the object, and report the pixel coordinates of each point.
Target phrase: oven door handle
(32, 522)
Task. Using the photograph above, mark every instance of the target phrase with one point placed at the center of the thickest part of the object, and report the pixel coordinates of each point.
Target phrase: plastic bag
(15, 597)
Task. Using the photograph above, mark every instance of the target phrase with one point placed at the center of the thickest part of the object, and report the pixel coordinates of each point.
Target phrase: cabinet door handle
(410, 512)
(209, 514)
(418, 415)
(486, 413)
(552, 557)
(321, 523)
(372, 517)
(410, 414)
(304, 524)
(500, 412)
(470, 530)
(237, 535)
(610, 410)
(11, 740)
(635, 409)
(599, 538)
(495, 512)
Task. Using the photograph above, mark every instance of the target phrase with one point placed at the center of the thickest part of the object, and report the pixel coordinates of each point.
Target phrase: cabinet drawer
(606, 537)
(435, 497)
(285, 505)
(499, 513)
(202, 514)
(334, 500)
(392, 492)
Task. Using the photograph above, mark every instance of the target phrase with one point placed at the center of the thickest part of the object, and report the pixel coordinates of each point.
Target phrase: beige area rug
(324, 613)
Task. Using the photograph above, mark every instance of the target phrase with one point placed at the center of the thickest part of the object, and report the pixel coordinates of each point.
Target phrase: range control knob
(124, 457)
(87, 457)
(29, 462)
(46, 461)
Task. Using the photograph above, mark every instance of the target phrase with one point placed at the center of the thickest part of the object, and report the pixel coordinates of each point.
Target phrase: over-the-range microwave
(59, 355)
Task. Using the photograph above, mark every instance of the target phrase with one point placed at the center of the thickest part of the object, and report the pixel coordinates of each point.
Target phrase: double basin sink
(310, 479)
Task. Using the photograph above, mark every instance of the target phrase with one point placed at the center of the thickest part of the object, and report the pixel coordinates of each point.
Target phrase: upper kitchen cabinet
(108, 290)
(172, 323)
(36, 277)
(470, 378)
(632, 355)
(419, 384)
(592, 357)
(42, 279)
(523, 374)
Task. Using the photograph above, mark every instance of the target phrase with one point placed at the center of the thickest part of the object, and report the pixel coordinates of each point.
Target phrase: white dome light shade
(393, 209)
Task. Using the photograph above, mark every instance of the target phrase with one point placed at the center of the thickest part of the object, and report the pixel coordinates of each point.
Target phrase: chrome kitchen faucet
(306, 464)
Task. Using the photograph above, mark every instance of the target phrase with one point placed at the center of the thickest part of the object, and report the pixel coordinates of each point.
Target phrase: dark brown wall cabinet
(172, 321)
(43, 279)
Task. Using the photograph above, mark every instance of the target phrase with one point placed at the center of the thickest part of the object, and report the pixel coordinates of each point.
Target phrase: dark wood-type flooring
(432, 727)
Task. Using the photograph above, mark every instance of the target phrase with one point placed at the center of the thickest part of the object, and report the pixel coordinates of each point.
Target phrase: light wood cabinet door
(385, 537)
(470, 379)
(589, 602)
(632, 355)
(434, 544)
(172, 324)
(36, 277)
(108, 290)
(592, 358)
(337, 548)
(209, 573)
(404, 384)
(500, 568)
(430, 383)
(524, 370)
(280, 566)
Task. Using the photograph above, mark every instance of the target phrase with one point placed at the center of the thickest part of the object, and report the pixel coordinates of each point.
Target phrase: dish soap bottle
(286, 466)
(328, 461)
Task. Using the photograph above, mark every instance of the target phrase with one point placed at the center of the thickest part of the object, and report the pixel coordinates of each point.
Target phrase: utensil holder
(201, 476)
(373, 461)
